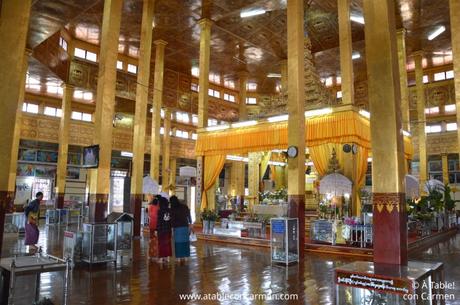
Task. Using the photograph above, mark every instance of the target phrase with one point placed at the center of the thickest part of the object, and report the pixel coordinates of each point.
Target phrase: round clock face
(292, 151)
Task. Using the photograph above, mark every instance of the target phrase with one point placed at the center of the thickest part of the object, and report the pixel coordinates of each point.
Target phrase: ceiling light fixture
(436, 32)
(278, 118)
(274, 75)
(357, 19)
(244, 124)
(355, 55)
(252, 12)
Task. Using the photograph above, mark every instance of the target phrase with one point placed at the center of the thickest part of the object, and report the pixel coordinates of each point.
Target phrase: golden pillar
(296, 106)
(390, 227)
(17, 127)
(402, 60)
(445, 169)
(166, 152)
(105, 108)
(14, 23)
(64, 129)
(243, 81)
(155, 150)
(172, 175)
(454, 8)
(205, 54)
(284, 76)
(253, 178)
(421, 120)
(140, 115)
(346, 52)
(237, 175)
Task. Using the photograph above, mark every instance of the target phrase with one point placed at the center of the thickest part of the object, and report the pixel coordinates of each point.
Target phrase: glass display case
(14, 223)
(72, 246)
(321, 231)
(125, 224)
(99, 244)
(74, 216)
(52, 217)
(284, 240)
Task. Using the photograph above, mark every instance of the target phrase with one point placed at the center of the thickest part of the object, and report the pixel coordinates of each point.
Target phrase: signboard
(372, 282)
(278, 226)
(187, 171)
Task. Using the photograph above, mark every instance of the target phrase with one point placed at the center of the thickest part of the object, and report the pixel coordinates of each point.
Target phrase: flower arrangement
(273, 197)
(209, 215)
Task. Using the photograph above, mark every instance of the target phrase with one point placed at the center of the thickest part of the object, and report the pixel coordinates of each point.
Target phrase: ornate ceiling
(256, 44)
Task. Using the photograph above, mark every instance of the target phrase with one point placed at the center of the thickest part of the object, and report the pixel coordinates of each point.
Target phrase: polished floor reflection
(230, 270)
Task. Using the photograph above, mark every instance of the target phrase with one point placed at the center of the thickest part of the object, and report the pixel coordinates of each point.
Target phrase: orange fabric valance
(338, 127)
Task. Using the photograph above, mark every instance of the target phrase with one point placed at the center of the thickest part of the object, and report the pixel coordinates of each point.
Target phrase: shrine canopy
(339, 125)
(335, 184)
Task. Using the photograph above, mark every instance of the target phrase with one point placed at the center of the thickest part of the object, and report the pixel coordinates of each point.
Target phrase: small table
(12, 267)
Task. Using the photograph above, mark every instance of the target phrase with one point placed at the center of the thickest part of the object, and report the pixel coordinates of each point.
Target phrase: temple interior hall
(229, 152)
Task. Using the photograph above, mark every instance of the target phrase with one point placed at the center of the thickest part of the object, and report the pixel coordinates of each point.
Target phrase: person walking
(154, 206)
(31, 226)
(164, 230)
(181, 222)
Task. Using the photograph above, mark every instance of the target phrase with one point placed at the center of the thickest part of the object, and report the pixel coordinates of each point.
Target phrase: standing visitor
(31, 225)
(154, 206)
(164, 230)
(181, 221)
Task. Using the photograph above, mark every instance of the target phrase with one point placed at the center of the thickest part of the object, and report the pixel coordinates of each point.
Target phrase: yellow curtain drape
(212, 167)
(321, 154)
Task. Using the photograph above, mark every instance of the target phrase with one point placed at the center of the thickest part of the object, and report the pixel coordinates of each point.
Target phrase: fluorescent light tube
(252, 12)
(323, 111)
(217, 127)
(365, 113)
(355, 55)
(244, 124)
(278, 118)
(274, 75)
(357, 18)
(436, 32)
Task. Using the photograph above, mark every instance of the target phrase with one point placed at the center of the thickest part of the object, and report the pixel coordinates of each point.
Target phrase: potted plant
(449, 205)
(212, 217)
(205, 220)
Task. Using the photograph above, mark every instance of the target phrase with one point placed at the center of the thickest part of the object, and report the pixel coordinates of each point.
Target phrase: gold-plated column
(253, 178)
(454, 8)
(445, 169)
(64, 127)
(402, 60)
(105, 108)
(390, 227)
(243, 109)
(284, 76)
(237, 174)
(346, 50)
(166, 152)
(17, 125)
(156, 110)
(140, 115)
(172, 176)
(421, 120)
(296, 108)
(14, 23)
(205, 55)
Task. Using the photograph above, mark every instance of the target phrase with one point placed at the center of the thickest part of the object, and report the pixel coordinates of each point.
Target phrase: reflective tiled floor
(227, 269)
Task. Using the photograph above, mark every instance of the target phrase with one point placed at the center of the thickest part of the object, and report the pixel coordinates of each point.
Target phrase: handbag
(193, 237)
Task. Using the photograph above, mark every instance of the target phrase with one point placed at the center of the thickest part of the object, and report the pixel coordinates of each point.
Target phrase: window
(91, 56)
(278, 88)
(194, 119)
(212, 122)
(339, 94)
(229, 97)
(162, 130)
(251, 100)
(132, 68)
(194, 87)
(30, 108)
(162, 113)
(251, 86)
(214, 93)
(439, 76)
(194, 136)
(338, 80)
(450, 108)
(54, 88)
(63, 43)
(51, 111)
(214, 78)
(182, 117)
(229, 84)
(432, 110)
(451, 126)
(87, 96)
(79, 53)
(450, 74)
(328, 81)
(33, 83)
(119, 65)
(195, 71)
(83, 95)
(425, 79)
(433, 128)
(81, 116)
(181, 134)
